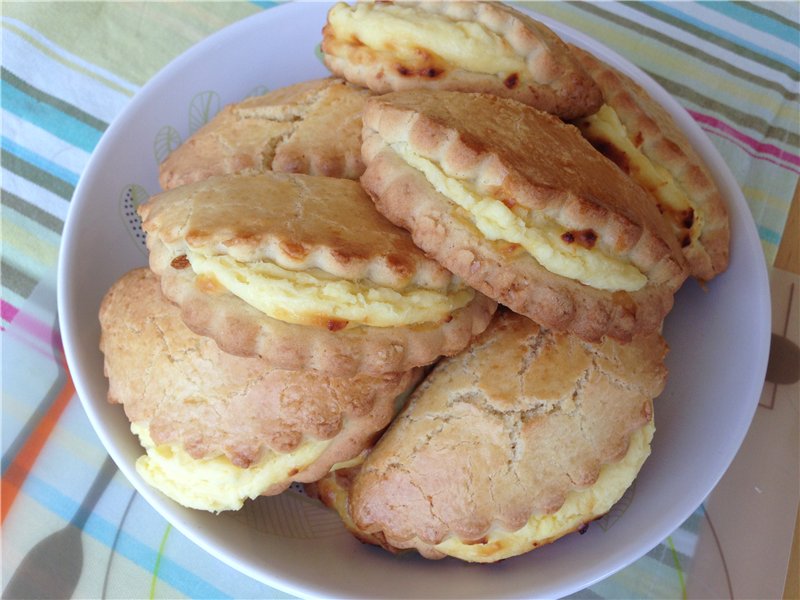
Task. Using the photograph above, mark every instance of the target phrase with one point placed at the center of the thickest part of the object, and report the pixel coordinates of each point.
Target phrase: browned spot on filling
(510, 248)
(426, 72)
(511, 81)
(583, 237)
(509, 202)
(294, 249)
(687, 218)
(209, 284)
(447, 319)
(483, 540)
(180, 262)
(614, 154)
(687, 239)
(623, 299)
(400, 264)
(293, 472)
(583, 528)
(638, 139)
(336, 324)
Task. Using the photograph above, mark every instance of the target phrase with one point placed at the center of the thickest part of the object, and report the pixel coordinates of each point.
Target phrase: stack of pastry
(284, 312)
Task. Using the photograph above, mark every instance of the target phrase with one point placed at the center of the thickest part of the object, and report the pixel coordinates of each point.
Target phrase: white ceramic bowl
(719, 339)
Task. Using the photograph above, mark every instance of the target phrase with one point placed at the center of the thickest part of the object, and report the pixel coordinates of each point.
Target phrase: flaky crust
(312, 127)
(545, 166)
(554, 81)
(334, 227)
(503, 431)
(655, 133)
(212, 403)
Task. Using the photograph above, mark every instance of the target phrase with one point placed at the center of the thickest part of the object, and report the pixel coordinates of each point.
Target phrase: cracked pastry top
(303, 272)
(522, 438)
(313, 127)
(462, 46)
(522, 208)
(642, 138)
(219, 429)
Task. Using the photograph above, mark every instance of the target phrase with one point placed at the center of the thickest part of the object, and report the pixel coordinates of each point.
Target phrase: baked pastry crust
(299, 222)
(547, 168)
(654, 132)
(214, 404)
(503, 432)
(552, 80)
(312, 127)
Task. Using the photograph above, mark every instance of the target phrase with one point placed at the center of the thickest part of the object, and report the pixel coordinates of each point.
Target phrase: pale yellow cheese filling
(315, 297)
(407, 34)
(537, 234)
(578, 508)
(605, 127)
(215, 484)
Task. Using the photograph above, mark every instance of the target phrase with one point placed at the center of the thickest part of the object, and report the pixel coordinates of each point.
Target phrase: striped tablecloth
(68, 69)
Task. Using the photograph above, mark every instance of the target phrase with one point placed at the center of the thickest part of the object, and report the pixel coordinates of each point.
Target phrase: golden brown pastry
(304, 273)
(461, 46)
(522, 438)
(523, 209)
(641, 137)
(312, 127)
(219, 429)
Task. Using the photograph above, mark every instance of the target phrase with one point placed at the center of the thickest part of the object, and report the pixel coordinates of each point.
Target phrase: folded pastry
(641, 137)
(217, 428)
(462, 46)
(303, 272)
(312, 127)
(523, 209)
(520, 439)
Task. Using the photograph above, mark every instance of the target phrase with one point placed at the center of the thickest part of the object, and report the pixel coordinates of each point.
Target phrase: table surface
(68, 70)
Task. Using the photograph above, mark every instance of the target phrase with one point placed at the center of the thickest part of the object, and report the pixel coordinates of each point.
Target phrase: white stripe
(36, 195)
(99, 71)
(684, 540)
(741, 30)
(51, 77)
(44, 143)
(732, 58)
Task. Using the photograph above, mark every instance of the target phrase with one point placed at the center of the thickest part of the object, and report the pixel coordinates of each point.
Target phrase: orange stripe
(18, 470)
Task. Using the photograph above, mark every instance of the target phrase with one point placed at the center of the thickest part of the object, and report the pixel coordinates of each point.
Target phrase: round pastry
(522, 438)
(641, 137)
(304, 273)
(461, 46)
(313, 127)
(217, 428)
(523, 209)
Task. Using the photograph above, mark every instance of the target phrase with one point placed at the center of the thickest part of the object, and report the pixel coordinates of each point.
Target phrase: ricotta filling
(605, 127)
(216, 484)
(411, 37)
(313, 297)
(539, 235)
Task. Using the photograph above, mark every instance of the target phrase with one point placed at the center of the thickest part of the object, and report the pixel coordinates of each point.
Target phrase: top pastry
(313, 127)
(305, 273)
(641, 137)
(520, 206)
(461, 46)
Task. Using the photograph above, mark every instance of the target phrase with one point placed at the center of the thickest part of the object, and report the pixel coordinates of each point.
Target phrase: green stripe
(18, 282)
(644, 8)
(157, 566)
(695, 53)
(734, 115)
(40, 96)
(34, 213)
(759, 9)
(677, 567)
(36, 175)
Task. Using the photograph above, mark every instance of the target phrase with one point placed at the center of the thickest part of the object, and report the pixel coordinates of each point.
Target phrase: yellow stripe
(67, 63)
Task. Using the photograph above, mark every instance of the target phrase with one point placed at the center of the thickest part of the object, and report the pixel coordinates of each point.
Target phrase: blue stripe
(667, 9)
(128, 546)
(49, 118)
(754, 19)
(39, 161)
(768, 235)
(263, 3)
